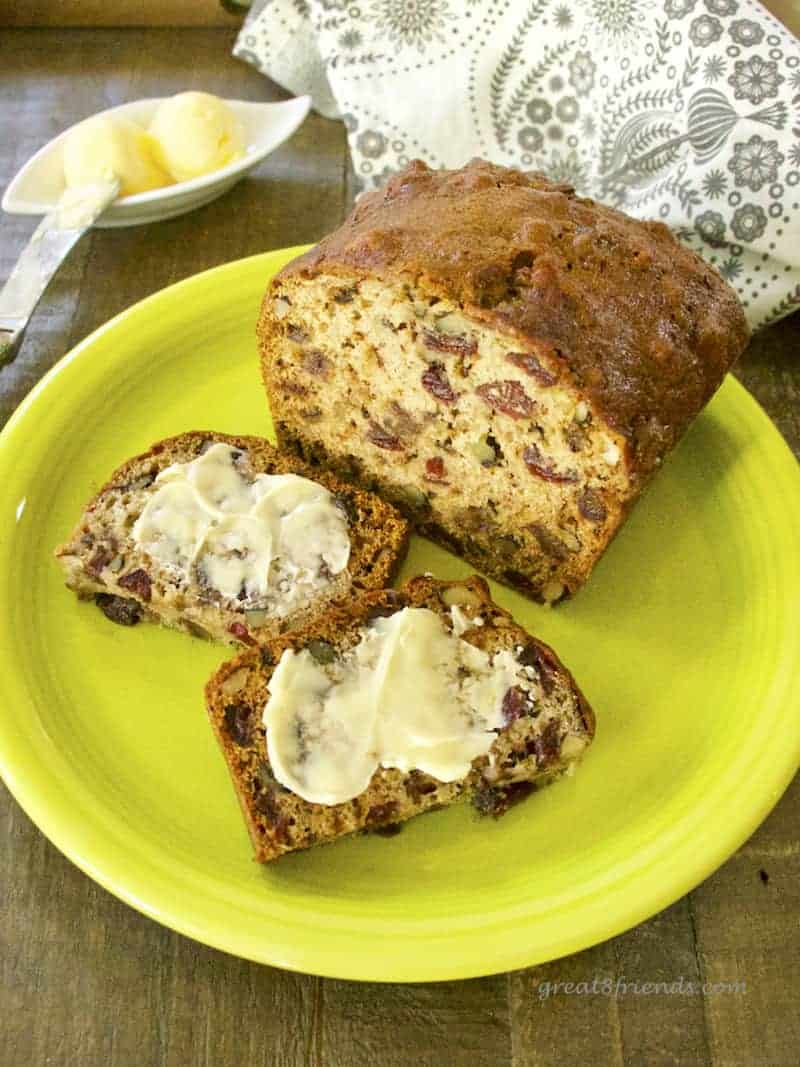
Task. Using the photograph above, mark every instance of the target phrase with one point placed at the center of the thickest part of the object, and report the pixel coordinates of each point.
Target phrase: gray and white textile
(682, 110)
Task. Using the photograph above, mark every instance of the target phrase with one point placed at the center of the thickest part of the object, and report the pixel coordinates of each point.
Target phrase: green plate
(685, 641)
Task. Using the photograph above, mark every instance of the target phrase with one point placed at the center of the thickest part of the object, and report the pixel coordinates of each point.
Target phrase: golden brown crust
(530, 750)
(378, 534)
(639, 323)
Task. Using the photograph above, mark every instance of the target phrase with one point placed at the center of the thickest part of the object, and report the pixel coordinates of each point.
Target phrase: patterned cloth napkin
(683, 110)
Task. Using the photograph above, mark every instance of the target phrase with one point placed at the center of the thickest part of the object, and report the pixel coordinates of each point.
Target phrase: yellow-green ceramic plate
(685, 641)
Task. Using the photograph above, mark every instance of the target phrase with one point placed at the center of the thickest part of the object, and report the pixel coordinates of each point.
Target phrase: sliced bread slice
(228, 538)
(539, 727)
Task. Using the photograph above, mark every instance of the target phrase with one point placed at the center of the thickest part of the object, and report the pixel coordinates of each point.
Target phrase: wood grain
(85, 980)
(746, 919)
(636, 1027)
(150, 13)
(427, 1025)
(192, 13)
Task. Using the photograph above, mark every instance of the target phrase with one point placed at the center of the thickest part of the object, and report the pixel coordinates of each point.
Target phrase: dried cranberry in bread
(546, 728)
(506, 361)
(131, 579)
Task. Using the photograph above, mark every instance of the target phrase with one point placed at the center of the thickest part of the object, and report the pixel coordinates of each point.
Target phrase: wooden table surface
(87, 981)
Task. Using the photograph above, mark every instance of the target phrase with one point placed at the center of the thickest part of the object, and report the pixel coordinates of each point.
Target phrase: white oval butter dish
(37, 187)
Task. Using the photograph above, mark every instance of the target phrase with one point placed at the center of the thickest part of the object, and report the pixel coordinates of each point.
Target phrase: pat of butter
(103, 149)
(409, 695)
(268, 541)
(196, 133)
(191, 134)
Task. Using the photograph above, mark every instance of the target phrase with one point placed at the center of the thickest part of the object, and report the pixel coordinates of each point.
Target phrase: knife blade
(51, 243)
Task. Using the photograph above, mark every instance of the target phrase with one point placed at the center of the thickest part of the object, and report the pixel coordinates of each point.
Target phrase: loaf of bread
(227, 538)
(507, 362)
(543, 728)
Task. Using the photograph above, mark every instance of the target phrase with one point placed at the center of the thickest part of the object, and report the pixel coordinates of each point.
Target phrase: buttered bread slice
(228, 538)
(395, 704)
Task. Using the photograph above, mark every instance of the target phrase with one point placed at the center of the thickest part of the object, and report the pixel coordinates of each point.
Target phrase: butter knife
(51, 243)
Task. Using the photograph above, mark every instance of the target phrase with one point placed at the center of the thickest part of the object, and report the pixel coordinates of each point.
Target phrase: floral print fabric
(682, 110)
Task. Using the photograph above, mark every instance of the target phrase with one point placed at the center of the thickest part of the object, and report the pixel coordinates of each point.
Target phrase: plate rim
(58, 829)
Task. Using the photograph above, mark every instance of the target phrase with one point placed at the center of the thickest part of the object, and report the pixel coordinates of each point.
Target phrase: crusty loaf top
(641, 324)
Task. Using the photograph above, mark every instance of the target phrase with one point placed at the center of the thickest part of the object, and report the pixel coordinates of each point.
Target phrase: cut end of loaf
(474, 433)
(508, 361)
